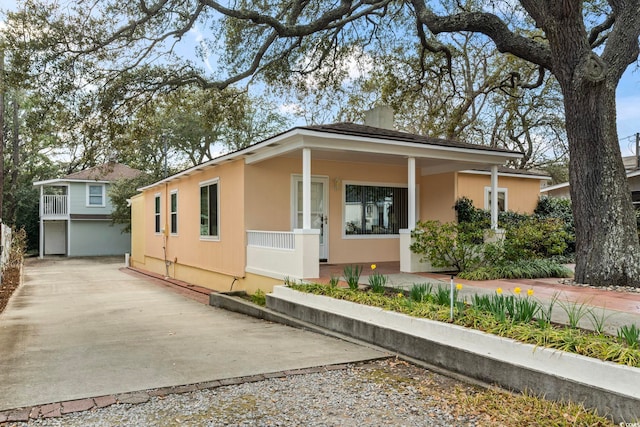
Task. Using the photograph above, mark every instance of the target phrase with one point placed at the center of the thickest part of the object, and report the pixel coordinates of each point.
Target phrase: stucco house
(341, 193)
(75, 213)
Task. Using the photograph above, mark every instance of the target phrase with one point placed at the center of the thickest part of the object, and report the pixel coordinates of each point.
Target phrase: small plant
(333, 281)
(421, 292)
(259, 298)
(598, 320)
(442, 295)
(288, 282)
(630, 334)
(352, 275)
(575, 312)
(377, 281)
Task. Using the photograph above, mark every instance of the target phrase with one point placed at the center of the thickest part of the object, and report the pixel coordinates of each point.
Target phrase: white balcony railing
(55, 205)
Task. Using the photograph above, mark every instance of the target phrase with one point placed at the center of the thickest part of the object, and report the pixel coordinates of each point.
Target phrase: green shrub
(448, 245)
(535, 238)
(559, 208)
(521, 269)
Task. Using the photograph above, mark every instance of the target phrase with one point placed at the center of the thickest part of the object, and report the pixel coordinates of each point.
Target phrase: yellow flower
(499, 291)
(373, 266)
(458, 286)
(517, 291)
(400, 295)
(530, 292)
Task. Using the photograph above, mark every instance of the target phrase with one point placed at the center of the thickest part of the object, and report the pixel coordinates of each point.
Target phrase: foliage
(534, 238)
(259, 298)
(352, 275)
(560, 208)
(120, 192)
(522, 269)
(569, 339)
(333, 281)
(421, 292)
(630, 334)
(448, 245)
(377, 281)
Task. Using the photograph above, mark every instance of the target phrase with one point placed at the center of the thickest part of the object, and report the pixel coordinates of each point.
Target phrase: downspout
(165, 232)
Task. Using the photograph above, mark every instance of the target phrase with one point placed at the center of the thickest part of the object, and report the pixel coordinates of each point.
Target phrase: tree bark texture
(607, 248)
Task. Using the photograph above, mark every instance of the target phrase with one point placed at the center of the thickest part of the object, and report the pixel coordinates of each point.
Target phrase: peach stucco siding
(522, 193)
(190, 257)
(437, 197)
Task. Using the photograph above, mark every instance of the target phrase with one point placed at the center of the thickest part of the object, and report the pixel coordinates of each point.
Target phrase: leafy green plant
(575, 311)
(259, 298)
(448, 245)
(352, 275)
(522, 269)
(421, 292)
(377, 282)
(333, 281)
(630, 334)
(598, 320)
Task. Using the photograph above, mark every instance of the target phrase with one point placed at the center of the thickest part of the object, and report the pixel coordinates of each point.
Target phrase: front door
(319, 209)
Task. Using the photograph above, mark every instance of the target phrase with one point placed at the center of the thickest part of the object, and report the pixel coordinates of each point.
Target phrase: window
(95, 195)
(375, 210)
(174, 212)
(209, 213)
(157, 213)
(502, 199)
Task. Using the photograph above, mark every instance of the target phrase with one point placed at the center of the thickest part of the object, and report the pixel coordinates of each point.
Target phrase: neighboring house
(341, 193)
(75, 213)
(631, 165)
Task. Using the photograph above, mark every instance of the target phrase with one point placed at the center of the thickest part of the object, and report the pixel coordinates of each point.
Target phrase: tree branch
(489, 25)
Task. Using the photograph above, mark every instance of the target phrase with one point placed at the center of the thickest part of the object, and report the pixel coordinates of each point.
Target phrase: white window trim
(158, 197)
(487, 191)
(209, 182)
(346, 236)
(173, 233)
(88, 199)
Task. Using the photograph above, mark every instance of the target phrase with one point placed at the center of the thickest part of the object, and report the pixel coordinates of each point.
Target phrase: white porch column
(411, 187)
(306, 188)
(494, 197)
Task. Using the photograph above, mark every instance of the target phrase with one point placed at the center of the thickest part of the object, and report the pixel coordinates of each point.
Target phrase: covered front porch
(332, 183)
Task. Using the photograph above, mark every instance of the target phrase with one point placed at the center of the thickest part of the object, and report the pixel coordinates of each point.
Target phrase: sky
(627, 95)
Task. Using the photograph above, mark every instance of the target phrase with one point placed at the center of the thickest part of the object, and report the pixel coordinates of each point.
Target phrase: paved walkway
(81, 328)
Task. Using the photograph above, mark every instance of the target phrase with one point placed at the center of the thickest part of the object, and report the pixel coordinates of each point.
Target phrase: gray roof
(106, 172)
(353, 129)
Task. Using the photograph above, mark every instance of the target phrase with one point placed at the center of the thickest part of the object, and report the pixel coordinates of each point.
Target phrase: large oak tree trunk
(607, 249)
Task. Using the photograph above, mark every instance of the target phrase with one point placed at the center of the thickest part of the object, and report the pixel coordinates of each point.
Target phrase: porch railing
(54, 205)
(283, 254)
(284, 240)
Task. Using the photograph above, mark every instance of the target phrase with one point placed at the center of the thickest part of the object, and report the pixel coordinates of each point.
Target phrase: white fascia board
(247, 153)
(68, 181)
(633, 173)
(514, 175)
(554, 187)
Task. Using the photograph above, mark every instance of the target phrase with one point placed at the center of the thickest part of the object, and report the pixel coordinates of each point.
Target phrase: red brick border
(59, 409)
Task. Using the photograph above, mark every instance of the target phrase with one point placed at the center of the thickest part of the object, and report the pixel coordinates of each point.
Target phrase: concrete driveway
(82, 328)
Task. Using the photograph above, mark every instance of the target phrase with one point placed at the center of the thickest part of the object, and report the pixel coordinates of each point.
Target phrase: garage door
(55, 238)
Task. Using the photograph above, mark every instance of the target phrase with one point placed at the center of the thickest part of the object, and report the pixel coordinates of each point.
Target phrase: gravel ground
(381, 393)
